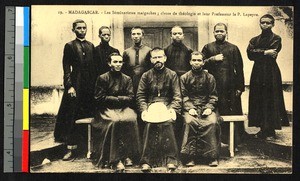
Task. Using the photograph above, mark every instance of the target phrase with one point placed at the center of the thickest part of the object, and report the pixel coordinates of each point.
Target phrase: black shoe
(128, 162)
(69, 156)
(190, 164)
(260, 135)
(120, 167)
(146, 168)
(171, 166)
(214, 163)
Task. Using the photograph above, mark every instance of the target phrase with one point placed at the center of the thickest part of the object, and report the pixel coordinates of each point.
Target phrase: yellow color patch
(25, 109)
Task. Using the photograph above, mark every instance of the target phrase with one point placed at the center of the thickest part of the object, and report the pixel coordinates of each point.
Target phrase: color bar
(25, 141)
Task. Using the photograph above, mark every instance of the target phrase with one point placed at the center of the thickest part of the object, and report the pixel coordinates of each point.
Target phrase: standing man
(79, 83)
(266, 103)
(103, 50)
(178, 59)
(159, 89)
(178, 55)
(225, 63)
(137, 57)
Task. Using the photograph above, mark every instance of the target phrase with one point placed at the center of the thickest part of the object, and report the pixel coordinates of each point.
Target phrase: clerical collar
(160, 70)
(138, 46)
(197, 71)
(115, 73)
(220, 42)
(81, 40)
(267, 32)
(177, 43)
(104, 44)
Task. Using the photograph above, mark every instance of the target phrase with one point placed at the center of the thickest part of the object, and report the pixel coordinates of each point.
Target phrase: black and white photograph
(161, 89)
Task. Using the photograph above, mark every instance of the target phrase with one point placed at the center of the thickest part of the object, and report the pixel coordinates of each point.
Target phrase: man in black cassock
(266, 103)
(159, 85)
(202, 130)
(225, 63)
(103, 50)
(79, 83)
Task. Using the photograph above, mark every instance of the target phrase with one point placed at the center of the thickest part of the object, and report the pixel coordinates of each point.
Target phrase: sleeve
(127, 100)
(176, 100)
(142, 93)
(148, 61)
(67, 59)
(101, 96)
(126, 68)
(187, 103)
(207, 57)
(239, 70)
(254, 53)
(212, 96)
(276, 43)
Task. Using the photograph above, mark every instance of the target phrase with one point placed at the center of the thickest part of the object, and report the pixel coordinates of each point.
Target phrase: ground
(255, 156)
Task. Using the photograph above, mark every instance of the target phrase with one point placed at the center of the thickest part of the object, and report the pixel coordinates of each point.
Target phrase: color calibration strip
(16, 90)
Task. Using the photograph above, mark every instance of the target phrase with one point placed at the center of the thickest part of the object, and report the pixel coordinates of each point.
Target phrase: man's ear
(109, 64)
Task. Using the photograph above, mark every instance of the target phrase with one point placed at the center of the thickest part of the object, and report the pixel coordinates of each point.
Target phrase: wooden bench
(87, 121)
(231, 119)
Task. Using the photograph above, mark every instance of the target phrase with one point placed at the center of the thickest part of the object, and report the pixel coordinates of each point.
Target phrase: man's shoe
(190, 164)
(120, 166)
(214, 163)
(146, 168)
(128, 162)
(69, 156)
(171, 166)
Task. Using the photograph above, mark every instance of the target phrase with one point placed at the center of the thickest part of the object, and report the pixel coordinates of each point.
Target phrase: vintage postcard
(73, 73)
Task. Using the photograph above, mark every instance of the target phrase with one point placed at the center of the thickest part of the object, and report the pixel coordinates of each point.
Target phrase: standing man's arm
(67, 59)
(127, 69)
(239, 72)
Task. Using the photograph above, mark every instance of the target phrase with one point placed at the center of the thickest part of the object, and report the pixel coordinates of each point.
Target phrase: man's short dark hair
(221, 24)
(268, 16)
(102, 28)
(176, 26)
(113, 54)
(137, 27)
(77, 21)
(197, 53)
(156, 49)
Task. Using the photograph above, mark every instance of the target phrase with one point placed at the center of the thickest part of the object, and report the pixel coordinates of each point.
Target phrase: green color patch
(26, 67)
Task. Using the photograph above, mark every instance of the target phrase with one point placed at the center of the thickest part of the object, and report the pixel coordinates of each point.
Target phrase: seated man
(159, 85)
(118, 141)
(202, 131)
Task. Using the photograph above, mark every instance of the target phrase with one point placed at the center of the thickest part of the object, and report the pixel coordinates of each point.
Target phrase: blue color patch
(26, 25)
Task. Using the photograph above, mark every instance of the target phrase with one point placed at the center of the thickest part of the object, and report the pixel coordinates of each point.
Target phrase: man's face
(220, 33)
(196, 62)
(116, 63)
(80, 30)
(105, 35)
(158, 59)
(177, 34)
(137, 36)
(266, 24)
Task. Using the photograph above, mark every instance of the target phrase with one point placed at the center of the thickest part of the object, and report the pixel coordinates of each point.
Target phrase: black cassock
(116, 134)
(229, 77)
(202, 133)
(79, 73)
(266, 103)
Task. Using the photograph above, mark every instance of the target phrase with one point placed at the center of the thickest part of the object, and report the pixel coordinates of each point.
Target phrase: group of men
(172, 96)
